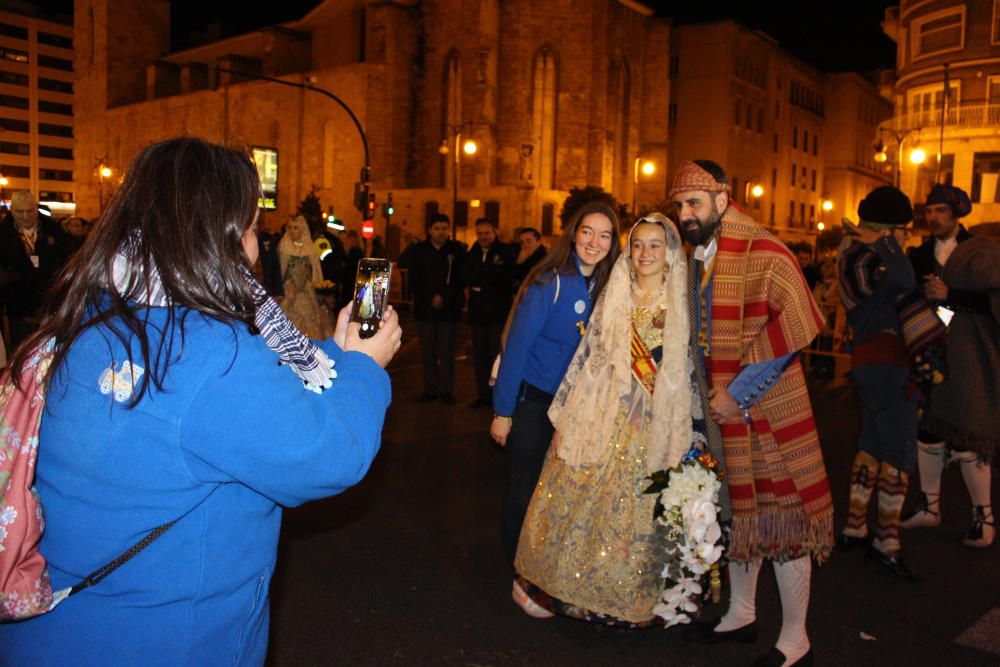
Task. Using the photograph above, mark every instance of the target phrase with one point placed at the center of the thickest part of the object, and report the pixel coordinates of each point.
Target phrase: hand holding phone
(383, 345)
(371, 294)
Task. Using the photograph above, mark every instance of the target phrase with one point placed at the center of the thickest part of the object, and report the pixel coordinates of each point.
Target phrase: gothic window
(619, 96)
(545, 90)
(452, 114)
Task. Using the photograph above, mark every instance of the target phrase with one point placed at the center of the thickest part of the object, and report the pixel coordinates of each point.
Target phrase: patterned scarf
(293, 348)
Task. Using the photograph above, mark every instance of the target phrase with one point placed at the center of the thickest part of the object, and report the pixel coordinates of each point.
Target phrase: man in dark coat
(436, 269)
(961, 272)
(874, 276)
(531, 252)
(490, 276)
(32, 251)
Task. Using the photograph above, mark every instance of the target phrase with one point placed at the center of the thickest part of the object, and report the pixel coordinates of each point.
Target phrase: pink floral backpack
(25, 590)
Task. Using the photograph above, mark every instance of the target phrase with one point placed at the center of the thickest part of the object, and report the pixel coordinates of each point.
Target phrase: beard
(699, 232)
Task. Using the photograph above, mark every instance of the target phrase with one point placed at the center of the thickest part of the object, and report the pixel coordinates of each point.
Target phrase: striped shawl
(761, 310)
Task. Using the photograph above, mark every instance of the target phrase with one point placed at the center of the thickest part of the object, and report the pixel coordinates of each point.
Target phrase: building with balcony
(772, 120)
(565, 94)
(36, 107)
(946, 97)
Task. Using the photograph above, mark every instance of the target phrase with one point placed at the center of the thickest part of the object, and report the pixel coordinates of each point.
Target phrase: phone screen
(371, 294)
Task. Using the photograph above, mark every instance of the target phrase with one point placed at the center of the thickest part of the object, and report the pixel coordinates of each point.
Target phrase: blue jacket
(230, 439)
(543, 336)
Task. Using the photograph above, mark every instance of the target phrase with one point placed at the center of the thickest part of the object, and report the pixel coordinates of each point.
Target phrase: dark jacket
(491, 282)
(436, 271)
(270, 263)
(872, 278)
(23, 296)
(521, 271)
(924, 264)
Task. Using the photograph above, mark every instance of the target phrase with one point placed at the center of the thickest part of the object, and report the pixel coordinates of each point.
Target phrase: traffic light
(389, 209)
(370, 209)
(361, 197)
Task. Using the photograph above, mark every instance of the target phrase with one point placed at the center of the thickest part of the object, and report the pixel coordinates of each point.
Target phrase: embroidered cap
(693, 176)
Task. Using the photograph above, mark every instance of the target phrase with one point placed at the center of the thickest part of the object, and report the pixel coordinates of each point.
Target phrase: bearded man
(752, 313)
(961, 271)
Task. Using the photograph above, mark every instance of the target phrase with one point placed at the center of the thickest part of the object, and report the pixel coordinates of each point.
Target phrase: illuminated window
(266, 160)
(15, 55)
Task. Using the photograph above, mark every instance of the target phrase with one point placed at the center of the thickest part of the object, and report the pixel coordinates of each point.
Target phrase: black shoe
(849, 543)
(895, 563)
(426, 397)
(776, 658)
(703, 632)
(447, 398)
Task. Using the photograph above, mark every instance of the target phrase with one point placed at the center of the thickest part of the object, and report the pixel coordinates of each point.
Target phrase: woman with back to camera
(547, 320)
(165, 351)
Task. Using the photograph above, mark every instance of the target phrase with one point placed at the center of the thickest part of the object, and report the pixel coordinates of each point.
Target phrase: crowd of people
(623, 353)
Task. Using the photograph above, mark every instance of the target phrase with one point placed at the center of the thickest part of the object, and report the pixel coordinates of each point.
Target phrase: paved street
(407, 569)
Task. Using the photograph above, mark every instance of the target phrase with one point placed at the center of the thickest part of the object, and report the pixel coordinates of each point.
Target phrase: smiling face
(648, 248)
(593, 239)
(699, 214)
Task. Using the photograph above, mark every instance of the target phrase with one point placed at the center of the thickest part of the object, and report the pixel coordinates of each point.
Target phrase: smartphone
(945, 314)
(371, 294)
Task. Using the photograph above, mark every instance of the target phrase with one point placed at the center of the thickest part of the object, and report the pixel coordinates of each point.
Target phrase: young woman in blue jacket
(166, 402)
(549, 317)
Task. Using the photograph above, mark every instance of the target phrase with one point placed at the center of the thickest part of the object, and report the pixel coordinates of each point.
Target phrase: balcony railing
(962, 116)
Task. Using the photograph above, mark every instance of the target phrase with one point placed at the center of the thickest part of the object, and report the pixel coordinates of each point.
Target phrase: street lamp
(648, 168)
(752, 189)
(917, 154)
(469, 148)
(103, 172)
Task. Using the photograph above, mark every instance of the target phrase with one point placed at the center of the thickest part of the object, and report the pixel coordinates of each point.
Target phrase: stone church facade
(555, 94)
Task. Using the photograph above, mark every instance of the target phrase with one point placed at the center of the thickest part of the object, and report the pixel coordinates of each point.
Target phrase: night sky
(832, 35)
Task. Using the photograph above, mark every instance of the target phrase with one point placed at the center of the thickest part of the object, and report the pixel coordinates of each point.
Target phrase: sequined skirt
(589, 541)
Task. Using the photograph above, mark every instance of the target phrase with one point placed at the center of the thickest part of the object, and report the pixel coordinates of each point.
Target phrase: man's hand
(500, 429)
(383, 345)
(437, 303)
(935, 289)
(724, 407)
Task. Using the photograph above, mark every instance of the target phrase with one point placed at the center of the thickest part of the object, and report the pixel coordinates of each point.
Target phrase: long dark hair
(560, 258)
(182, 208)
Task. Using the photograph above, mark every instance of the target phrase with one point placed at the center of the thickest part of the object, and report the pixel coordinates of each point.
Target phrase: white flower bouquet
(688, 508)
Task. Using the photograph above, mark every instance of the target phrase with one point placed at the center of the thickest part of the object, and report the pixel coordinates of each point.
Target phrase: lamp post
(103, 172)
(648, 167)
(469, 147)
(917, 154)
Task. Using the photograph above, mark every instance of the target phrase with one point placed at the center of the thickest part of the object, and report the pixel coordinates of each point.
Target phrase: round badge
(579, 307)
